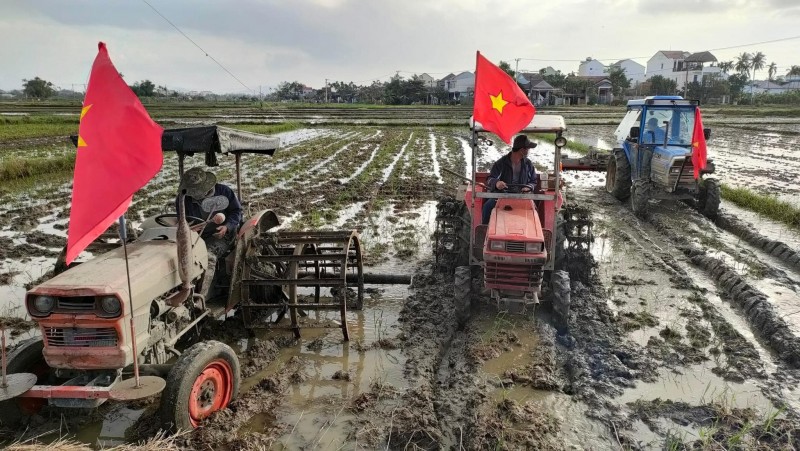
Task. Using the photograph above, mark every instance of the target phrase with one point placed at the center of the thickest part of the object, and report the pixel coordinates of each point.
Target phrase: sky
(264, 42)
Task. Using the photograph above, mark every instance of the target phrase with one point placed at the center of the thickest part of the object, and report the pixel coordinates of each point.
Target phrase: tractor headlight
(534, 248)
(497, 245)
(110, 305)
(44, 304)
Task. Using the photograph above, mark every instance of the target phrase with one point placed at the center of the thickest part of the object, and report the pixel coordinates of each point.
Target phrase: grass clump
(576, 146)
(17, 168)
(762, 204)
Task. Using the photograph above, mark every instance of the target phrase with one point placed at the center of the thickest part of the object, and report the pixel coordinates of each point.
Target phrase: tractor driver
(219, 232)
(513, 168)
(653, 134)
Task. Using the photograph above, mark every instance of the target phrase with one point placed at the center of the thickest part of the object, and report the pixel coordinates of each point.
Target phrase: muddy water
(318, 407)
(577, 429)
(647, 294)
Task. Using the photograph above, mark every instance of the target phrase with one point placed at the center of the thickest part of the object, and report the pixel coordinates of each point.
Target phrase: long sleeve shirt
(233, 213)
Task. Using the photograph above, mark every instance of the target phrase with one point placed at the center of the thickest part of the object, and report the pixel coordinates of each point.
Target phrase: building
(599, 86)
(462, 85)
(633, 70)
(591, 68)
(428, 80)
(682, 67)
(767, 87)
(539, 91)
(446, 81)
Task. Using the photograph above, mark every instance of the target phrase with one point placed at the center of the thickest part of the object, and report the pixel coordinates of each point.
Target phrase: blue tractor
(653, 156)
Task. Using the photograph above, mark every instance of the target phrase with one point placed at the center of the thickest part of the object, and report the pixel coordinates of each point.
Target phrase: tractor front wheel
(640, 195)
(618, 175)
(25, 358)
(708, 198)
(205, 379)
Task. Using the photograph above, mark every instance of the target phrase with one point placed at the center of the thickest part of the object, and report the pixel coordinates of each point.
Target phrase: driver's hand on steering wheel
(221, 231)
(500, 185)
(526, 189)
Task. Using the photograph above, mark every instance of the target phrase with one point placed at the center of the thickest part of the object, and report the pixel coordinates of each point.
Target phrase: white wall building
(591, 68)
(682, 67)
(633, 70)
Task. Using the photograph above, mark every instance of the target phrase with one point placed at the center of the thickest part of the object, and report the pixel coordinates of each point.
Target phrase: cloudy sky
(264, 42)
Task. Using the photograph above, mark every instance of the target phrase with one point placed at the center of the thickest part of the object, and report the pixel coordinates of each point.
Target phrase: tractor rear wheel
(708, 198)
(640, 195)
(559, 281)
(618, 175)
(205, 379)
(25, 358)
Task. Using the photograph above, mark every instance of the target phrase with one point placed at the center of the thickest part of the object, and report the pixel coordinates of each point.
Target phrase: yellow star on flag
(84, 110)
(498, 103)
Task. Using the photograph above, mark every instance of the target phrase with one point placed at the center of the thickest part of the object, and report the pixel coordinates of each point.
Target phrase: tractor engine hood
(153, 267)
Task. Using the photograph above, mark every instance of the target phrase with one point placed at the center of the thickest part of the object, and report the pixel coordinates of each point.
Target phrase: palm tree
(756, 63)
(743, 64)
(725, 66)
(771, 70)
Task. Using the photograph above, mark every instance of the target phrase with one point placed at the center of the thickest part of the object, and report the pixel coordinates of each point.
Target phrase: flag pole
(124, 238)
(474, 146)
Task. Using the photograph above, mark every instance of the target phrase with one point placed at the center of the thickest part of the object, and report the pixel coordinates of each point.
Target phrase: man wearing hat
(513, 168)
(218, 233)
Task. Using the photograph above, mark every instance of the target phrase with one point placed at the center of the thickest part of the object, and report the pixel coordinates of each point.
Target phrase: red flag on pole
(500, 105)
(699, 151)
(119, 151)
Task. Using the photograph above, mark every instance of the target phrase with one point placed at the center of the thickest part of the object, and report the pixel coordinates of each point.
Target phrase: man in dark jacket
(512, 169)
(219, 232)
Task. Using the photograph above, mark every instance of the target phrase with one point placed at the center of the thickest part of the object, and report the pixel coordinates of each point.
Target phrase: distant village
(699, 75)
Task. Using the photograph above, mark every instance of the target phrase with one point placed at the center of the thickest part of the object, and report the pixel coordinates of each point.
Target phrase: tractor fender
(259, 223)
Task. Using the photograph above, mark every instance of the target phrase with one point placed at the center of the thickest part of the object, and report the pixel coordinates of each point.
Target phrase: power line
(198, 46)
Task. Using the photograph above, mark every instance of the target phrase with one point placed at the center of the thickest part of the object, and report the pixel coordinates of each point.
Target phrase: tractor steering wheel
(192, 220)
(515, 188)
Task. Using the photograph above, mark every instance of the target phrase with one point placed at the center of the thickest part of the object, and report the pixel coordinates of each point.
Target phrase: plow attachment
(286, 272)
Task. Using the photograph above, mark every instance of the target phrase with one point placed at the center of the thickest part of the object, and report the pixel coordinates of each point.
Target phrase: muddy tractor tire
(560, 251)
(640, 195)
(205, 379)
(559, 281)
(25, 358)
(708, 198)
(618, 175)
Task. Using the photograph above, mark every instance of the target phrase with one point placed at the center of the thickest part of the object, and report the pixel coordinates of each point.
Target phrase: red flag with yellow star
(119, 151)
(699, 151)
(500, 105)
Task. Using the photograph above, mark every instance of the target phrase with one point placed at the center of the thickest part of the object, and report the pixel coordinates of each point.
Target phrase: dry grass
(160, 442)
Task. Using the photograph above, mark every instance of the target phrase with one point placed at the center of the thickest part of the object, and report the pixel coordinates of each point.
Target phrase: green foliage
(660, 86)
(16, 168)
(289, 91)
(737, 83)
(145, 88)
(557, 80)
(505, 67)
(405, 92)
(38, 88)
(619, 82)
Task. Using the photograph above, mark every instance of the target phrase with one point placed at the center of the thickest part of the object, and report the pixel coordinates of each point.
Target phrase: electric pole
(326, 90)
(516, 67)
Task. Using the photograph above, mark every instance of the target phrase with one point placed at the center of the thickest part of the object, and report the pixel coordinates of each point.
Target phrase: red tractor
(523, 245)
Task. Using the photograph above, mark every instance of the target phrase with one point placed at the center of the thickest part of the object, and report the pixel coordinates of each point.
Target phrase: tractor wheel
(463, 234)
(205, 379)
(640, 195)
(618, 175)
(560, 251)
(25, 358)
(708, 198)
(559, 281)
